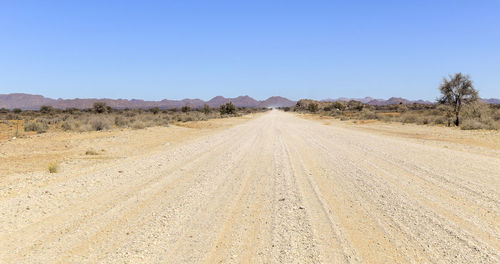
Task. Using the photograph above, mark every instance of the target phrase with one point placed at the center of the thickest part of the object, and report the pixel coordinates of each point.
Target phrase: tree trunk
(457, 121)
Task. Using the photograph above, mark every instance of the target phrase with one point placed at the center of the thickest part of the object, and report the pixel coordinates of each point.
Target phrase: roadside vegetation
(53, 167)
(102, 117)
(459, 105)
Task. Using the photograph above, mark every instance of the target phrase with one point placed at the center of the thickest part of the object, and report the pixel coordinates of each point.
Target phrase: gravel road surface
(275, 189)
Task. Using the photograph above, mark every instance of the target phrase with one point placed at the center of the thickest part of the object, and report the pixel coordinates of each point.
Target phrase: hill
(34, 102)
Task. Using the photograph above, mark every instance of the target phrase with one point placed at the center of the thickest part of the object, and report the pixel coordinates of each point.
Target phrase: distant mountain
(277, 101)
(34, 102)
(345, 99)
(390, 101)
(492, 100)
(24, 101)
(373, 101)
(245, 101)
(240, 101)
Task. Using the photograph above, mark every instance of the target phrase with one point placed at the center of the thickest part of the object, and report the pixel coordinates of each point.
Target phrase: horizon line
(228, 97)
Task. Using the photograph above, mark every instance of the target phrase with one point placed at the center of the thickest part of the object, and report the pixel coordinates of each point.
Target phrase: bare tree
(456, 92)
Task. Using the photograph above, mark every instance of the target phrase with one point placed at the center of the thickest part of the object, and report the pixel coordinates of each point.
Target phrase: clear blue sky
(198, 49)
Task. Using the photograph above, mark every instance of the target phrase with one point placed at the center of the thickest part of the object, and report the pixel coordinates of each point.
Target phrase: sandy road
(276, 189)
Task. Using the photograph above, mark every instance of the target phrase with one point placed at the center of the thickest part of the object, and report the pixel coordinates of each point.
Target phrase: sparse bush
(130, 114)
(402, 108)
(138, 125)
(440, 120)
(91, 152)
(53, 167)
(72, 119)
(355, 105)
(36, 126)
(408, 118)
(471, 124)
(338, 106)
(121, 121)
(154, 110)
(478, 116)
(367, 114)
(100, 124)
(45, 109)
(100, 107)
(185, 109)
(71, 110)
(12, 117)
(207, 109)
(227, 109)
(313, 107)
(67, 126)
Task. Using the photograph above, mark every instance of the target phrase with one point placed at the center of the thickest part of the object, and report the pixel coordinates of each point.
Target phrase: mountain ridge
(34, 102)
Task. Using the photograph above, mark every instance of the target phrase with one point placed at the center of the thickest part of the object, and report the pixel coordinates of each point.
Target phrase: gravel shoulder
(273, 188)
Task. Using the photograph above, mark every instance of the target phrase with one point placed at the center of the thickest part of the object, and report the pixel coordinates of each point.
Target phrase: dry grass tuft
(53, 167)
(91, 152)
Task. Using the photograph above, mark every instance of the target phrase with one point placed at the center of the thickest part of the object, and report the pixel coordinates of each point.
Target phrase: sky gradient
(199, 49)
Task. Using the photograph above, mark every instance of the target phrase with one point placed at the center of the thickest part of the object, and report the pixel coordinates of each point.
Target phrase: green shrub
(154, 110)
(227, 109)
(313, 107)
(185, 109)
(338, 106)
(100, 107)
(45, 109)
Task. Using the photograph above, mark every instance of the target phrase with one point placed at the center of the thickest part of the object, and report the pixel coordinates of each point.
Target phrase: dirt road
(275, 189)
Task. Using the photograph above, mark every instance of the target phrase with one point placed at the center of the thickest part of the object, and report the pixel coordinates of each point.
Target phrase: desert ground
(274, 187)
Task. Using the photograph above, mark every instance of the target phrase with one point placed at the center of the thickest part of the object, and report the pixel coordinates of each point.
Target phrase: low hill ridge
(34, 102)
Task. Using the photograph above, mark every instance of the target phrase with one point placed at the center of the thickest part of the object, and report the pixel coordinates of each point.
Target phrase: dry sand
(271, 189)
